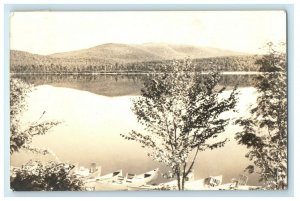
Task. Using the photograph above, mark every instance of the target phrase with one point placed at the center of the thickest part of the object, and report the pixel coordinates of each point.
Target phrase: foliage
(22, 137)
(52, 176)
(180, 111)
(35, 176)
(265, 132)
(32, 64)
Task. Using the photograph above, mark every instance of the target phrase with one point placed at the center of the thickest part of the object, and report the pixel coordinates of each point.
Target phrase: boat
(98, 183)
(171, 185)
(106, 178)
(201, 184)
(123, 183)
(87, 173)
(232, 186)
(145, 178)
(213, 181)
(146, 187)
(82, 172)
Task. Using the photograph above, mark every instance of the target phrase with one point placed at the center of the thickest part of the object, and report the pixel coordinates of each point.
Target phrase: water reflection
(93, 121)
(115, 84)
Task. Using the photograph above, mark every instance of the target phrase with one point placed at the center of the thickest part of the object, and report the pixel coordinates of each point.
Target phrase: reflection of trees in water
(41, 79)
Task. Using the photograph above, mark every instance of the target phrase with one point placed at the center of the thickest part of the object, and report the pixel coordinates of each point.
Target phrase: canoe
(144, 188)
(232, 186)
(201, 184)
(143, 179)
(87, 173)
(213, 181)
(123, 183)
(106, 178)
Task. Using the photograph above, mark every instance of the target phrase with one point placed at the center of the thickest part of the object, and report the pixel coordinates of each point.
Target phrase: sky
(51, 32)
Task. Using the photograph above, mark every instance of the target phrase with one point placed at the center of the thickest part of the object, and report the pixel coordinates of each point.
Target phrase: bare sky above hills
(52, 32)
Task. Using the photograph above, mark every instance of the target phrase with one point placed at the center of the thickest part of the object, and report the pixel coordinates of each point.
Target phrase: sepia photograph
(148, 100)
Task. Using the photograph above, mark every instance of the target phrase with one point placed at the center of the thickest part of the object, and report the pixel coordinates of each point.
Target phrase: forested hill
(128, 58)
(124, 53)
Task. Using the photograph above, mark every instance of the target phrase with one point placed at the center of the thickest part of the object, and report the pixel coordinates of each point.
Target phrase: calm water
(115, 85)
(94, 110)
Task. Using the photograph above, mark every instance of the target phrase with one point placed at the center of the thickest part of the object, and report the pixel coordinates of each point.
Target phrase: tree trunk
(178, 182)
(178, 178)
(182, 184)
(183, 176)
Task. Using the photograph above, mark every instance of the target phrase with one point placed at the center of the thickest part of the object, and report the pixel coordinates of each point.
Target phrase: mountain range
(123, 53)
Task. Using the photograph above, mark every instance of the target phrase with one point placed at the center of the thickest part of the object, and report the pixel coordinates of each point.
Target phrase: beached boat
(209, 183)
(145, 178)
(88, 173)
(144, 188)
(106, 178)
(233, 186)
(123, 183)
(200, 184)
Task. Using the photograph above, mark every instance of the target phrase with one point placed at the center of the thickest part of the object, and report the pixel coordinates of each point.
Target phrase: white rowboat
(123, 183)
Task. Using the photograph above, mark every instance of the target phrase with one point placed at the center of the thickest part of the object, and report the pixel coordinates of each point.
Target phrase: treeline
(225, 80)
(39, 66)
(233, 63)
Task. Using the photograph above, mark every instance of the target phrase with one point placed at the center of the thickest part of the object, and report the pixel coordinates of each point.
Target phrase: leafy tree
(180, 111)
(52, 176)
(265, 131)
(20, 137)
(35, 176)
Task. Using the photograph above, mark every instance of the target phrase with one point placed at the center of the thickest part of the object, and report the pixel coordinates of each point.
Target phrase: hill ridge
(127, 53)
(109, 57)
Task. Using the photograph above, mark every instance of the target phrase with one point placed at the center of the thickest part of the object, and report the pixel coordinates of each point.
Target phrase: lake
(95, 110)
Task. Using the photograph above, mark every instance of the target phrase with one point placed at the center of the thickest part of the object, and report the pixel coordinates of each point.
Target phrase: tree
(180, 111)
(35, 175)
(20, 137)
(265, 131)
(52, 176)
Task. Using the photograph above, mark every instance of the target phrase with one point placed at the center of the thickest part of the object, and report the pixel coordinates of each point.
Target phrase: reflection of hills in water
(115, 85)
